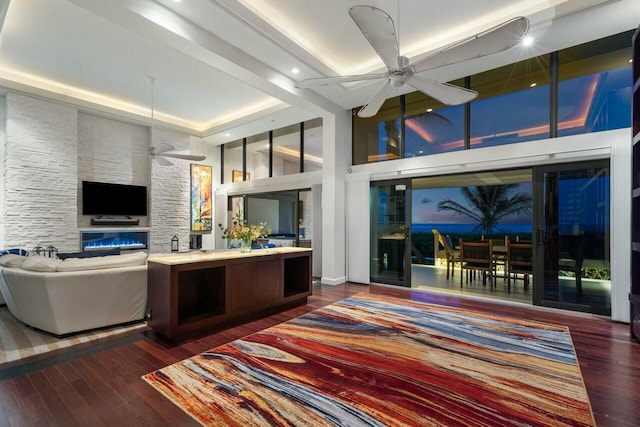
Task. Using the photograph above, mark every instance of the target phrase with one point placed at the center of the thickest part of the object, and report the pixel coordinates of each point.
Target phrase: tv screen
(103, 198)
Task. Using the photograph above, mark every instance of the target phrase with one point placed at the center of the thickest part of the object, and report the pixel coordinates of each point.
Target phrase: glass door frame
(540, 233)
(405, 279)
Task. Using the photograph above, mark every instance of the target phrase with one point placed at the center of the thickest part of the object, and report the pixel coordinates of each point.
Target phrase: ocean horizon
(468, 228)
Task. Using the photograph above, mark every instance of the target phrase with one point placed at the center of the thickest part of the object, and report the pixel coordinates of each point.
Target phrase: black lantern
(175, 244)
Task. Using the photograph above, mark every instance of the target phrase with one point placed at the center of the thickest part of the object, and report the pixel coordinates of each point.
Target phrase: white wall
(264, 210)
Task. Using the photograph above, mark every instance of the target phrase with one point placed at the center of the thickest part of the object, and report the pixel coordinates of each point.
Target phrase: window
(286, 150)
(512, 105)
(377, 138)
(233, 161)
(258, 156)
(313, 145)
(285, 153)
(432, 127)
(594, 90)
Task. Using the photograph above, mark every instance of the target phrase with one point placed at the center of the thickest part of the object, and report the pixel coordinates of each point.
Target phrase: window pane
(233, 161)
(313, 145)
(258, 156)
(594, 92)
(377, 138)
(432, 127)
(512, 105)
(286, 150)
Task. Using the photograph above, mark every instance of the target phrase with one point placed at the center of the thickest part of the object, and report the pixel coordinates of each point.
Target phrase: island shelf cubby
(200, 294)
(296, 272)
(192, 294)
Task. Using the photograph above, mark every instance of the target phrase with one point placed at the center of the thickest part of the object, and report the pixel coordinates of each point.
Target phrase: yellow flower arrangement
(247, 233)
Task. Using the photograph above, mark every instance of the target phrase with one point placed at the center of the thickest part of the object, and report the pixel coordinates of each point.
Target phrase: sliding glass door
(390, 232)
(571, 219)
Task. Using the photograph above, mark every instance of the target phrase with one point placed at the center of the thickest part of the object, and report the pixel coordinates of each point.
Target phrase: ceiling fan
(378, 28)
(164, 150)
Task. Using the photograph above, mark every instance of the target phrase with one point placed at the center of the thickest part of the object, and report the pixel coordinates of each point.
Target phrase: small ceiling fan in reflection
(378, 28)
(162, 151)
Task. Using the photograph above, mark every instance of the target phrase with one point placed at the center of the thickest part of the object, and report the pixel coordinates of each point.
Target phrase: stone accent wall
(3, 142)
(111, 151)
(41, 172)
(307, 213)
(47, 149)
(169, 195)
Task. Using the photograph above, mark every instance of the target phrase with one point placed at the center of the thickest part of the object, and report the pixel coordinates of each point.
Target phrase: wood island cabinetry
(193, 294)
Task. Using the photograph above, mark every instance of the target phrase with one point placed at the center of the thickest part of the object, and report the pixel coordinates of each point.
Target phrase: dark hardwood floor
(104, 387)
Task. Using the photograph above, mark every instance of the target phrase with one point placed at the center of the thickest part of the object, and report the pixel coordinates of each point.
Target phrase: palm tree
(488, 204)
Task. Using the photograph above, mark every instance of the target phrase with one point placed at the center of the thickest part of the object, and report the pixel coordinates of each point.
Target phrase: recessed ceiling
(223, 67)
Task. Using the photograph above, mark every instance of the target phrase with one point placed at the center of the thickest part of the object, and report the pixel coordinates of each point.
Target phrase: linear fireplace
(109, 239)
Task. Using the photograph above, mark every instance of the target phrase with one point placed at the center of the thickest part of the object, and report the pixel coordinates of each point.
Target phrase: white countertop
(217, 255)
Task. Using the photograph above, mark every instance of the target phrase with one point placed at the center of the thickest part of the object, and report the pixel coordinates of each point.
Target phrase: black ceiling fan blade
(444, 92)
(494, 40)
(377, 26)
(324, 81)
(375, 102)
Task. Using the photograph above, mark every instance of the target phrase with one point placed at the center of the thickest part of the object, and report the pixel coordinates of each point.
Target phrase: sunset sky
(425, 206)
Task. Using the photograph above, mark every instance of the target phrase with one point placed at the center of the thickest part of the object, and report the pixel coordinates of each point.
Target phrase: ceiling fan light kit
(379, 30)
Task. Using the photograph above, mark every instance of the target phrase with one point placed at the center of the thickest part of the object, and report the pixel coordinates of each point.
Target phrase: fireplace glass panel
(123, 239)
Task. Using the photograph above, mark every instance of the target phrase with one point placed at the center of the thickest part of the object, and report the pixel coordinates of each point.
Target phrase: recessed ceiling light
(527, 41)
(533, 85)
(295, 70)
(227, 134)
(631, 60)
(429, 110)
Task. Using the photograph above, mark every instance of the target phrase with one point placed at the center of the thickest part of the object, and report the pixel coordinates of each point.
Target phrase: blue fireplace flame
(123, 240)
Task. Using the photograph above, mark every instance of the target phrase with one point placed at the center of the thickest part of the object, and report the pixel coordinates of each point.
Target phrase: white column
(336, 153)
(358, 229)
(620, 236)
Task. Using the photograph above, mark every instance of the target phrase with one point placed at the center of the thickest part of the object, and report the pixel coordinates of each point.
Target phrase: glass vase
(245, 245)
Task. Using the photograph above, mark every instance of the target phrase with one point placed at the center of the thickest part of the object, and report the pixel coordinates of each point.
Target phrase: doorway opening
(558, 216)
(491, 206)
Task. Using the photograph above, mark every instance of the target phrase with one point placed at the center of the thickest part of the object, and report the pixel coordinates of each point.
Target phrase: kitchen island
(196, 293)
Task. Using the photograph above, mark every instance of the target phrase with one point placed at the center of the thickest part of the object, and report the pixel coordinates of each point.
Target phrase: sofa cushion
(96, 263)
(40, 263)
(12, 260)
(89, 254)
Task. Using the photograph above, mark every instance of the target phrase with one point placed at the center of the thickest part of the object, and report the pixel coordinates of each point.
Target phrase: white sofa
(77, 294)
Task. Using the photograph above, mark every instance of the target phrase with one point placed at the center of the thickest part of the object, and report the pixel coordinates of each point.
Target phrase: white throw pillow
(97, 263)
(12, 260)
(40, 263)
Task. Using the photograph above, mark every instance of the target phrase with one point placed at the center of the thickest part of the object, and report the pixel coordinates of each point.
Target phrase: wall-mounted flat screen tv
(103, 198)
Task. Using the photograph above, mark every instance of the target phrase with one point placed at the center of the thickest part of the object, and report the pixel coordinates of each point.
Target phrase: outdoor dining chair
(477, 256)
(519, 261)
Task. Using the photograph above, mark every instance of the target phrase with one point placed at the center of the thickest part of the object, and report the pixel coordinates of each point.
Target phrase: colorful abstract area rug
(371, 360)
